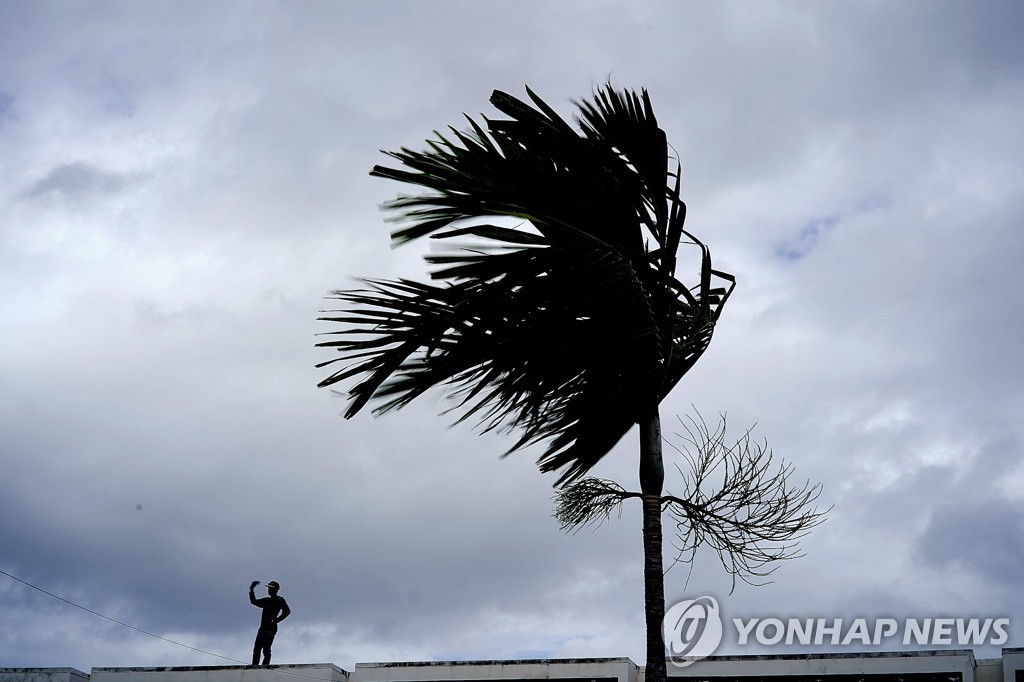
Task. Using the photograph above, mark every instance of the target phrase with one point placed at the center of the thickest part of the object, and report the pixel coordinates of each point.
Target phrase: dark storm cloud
(985, 536)
(6, 105)
(974, 524)
(982, 41)
(76, 180)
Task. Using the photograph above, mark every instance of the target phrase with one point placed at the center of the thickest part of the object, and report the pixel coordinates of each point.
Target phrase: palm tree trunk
(652, 480)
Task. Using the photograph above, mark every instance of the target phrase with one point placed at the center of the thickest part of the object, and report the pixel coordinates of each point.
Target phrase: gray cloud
(6, 104)
(984, 536)
(856, 166)
(74, 181)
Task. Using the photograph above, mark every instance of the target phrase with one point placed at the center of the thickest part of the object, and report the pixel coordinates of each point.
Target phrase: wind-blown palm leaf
(564, 327)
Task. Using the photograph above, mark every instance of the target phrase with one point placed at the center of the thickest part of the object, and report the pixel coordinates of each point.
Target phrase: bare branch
(589, 501)
(738, 503)
(734, 500)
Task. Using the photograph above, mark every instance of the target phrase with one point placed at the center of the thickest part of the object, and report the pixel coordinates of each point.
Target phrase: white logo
(692, 630)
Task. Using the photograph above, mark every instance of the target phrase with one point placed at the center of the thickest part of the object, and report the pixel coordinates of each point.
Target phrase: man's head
(273, 587)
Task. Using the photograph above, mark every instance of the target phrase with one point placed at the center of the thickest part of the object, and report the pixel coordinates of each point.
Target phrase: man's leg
(263, 641)
(266, 647)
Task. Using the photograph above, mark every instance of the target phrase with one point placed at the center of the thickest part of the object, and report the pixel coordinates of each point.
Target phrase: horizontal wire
(146, 632)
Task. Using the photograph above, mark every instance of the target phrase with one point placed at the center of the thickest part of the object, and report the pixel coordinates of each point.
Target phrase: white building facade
(906, 666)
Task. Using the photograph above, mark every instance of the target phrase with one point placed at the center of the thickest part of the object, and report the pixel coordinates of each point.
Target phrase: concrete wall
(895, 663)
(42, 675)
(567, 670)
(1013, 660)
(322, 672)
(942, 665)
(988, 670)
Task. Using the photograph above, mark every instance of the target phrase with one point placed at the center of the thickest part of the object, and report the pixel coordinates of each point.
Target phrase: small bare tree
(733, 501)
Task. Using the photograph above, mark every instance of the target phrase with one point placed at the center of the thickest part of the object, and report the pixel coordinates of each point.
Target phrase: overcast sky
(182, 183)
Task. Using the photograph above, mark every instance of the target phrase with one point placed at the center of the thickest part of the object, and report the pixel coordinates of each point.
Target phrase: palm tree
(556, 313)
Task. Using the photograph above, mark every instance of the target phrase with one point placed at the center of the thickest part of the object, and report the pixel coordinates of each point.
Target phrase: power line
(114, 620)
(146, 632)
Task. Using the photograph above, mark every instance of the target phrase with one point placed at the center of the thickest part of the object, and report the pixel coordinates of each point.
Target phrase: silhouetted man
(275, 609)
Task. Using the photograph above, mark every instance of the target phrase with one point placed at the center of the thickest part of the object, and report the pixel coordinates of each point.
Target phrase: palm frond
(563, 328)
